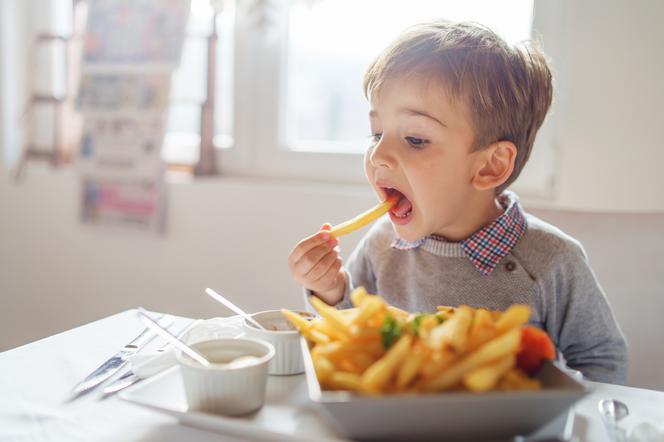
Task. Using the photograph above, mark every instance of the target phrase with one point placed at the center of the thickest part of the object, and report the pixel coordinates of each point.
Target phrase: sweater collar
(484, 248)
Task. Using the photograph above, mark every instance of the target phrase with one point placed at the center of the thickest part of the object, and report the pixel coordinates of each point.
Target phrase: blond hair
(506, 90)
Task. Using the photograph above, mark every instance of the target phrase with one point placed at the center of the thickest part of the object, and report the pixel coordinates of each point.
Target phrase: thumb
(326, 226)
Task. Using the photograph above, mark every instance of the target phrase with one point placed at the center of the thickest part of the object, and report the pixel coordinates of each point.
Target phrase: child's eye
(376, 137)
(416, 142)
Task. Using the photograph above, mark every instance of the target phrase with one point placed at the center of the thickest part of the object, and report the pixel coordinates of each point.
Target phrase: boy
(454, 113)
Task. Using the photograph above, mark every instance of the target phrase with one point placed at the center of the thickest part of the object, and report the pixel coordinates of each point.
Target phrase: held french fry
(365, 218)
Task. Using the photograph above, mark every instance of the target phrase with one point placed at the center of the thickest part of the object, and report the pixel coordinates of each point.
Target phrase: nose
(382, 154)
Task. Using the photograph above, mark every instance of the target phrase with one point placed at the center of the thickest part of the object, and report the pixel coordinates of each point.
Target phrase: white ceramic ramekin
(280, 333)
(229, 391)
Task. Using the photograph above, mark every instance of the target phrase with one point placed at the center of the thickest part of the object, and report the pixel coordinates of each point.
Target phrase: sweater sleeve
(580, 319)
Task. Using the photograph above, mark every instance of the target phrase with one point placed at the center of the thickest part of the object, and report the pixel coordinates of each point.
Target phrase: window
(190, 81)
(300, 109)
(325, 107)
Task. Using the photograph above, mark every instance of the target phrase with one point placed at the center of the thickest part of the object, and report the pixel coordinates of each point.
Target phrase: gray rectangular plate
(449, 416)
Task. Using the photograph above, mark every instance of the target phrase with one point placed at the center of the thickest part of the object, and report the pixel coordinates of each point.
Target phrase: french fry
(331, 314)
(363, 360)
(445, 312)
(483, 329)
(341, 380)
(438, 362)
(305, 327)
(515, 316)
(324, 367)
(365, 218)
(516, 379)
(364, 334)
(398, 313)
(358, 295)
(298, 321)
(370, 306)
(316, 336)
(380, 372)
(453, 333)
(499, 347)
(485, 378)
(323, 326)
(411, 366)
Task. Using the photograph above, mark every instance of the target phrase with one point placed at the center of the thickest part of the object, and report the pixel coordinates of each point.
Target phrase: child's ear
(495, 165)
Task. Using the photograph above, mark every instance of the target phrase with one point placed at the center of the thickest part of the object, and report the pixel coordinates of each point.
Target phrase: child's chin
(407, 234)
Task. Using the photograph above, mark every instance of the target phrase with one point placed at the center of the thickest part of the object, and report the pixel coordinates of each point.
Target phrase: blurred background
(263, 135)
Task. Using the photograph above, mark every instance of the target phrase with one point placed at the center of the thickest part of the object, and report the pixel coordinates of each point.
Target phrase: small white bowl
(226, 390)
(285, 338)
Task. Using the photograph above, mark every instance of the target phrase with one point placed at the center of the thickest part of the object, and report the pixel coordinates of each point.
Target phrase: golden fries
(376, 348)
(365, 218)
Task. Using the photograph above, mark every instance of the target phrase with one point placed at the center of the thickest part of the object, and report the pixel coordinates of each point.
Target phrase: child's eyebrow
(415, 112)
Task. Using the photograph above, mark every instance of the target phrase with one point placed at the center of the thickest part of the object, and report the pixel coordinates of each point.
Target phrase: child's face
(421, 146)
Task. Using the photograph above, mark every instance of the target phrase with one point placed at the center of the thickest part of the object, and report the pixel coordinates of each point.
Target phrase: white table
(35, 381)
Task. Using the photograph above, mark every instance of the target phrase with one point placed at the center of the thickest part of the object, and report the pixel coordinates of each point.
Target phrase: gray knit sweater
(547, 269)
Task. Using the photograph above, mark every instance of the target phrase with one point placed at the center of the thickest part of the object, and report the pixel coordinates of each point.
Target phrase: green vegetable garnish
(415, 323)
(390, 331)
(417, 320)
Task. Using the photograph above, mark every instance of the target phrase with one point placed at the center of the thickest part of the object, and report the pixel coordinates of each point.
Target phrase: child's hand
(315, 263)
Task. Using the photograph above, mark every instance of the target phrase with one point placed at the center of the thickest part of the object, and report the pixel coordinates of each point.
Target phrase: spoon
(149, 322)
(613, 411)
(217, 297)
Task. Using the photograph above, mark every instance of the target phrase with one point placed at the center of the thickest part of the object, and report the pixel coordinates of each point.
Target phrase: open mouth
(402, 212)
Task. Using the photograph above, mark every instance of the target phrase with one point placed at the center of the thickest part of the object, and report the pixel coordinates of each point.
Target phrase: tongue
(402, 207)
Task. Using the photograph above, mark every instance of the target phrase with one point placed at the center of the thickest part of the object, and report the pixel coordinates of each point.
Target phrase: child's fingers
(322, 266)
(307, 244)
(311, 259)
(331, 277)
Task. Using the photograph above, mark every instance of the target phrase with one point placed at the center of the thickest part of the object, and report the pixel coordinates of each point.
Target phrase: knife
(117, 361)
(129, 378)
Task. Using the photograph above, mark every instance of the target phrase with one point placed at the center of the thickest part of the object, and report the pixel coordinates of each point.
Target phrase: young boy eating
(454, 114)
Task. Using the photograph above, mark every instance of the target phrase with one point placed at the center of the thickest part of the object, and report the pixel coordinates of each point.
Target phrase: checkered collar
(484, 248)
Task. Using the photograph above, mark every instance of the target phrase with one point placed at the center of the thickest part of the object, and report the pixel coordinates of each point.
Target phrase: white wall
(608, 67)
(233, 235)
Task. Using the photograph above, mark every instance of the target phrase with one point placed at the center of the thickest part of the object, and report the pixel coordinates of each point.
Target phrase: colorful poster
(130, 50)
(135, 32)
(134, 205)
(115, 91)
(122, 144)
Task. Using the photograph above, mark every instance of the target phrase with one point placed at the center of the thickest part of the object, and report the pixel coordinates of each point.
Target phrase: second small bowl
(285, 338)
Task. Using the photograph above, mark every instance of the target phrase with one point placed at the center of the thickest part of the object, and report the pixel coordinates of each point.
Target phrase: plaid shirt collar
(486, 247)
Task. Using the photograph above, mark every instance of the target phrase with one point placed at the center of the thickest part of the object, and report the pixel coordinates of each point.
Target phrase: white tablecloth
(35, 381)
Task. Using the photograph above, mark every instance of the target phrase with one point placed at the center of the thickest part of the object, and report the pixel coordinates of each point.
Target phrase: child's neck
(481, 212)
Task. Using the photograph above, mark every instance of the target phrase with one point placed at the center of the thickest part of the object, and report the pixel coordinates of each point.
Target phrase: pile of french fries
(375, 348)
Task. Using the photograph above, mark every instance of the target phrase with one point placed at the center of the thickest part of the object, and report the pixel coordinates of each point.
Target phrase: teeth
(405, 215)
